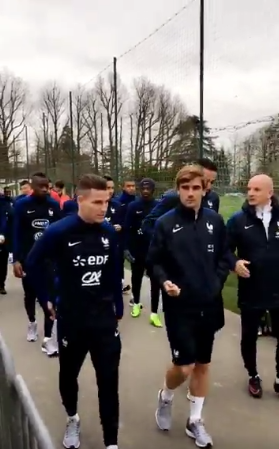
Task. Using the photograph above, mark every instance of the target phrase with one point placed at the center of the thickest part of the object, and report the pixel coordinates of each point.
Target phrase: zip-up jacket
(114, 212)
(69, 207)
(3, 222)
(247, 236)
(32, 215)
(124, 199)
(20, 197)
(169, 201)
(135, 240)
(192, 253)
(88, 271)
(6, 219)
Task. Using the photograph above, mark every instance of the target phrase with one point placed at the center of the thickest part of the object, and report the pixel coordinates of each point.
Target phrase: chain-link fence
(21, 426)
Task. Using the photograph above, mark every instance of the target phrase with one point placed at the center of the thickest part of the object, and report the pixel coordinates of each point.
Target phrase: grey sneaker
(197, 432)
(32, 333)
(72, 433)
(163, 413)
(50, 347)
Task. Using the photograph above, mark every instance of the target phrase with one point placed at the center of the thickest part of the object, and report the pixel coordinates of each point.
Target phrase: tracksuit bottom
(250, 322)
(4, 256)
(104, 347)
(138, 268)
(30, 307)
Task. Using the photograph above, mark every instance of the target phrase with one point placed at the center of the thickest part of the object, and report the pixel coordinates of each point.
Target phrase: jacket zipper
(195, 229)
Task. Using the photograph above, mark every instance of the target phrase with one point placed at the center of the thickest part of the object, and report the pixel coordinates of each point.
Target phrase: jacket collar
(188, 213)
(251, 210)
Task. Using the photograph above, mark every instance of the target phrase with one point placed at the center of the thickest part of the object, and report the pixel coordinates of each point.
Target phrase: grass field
(229, 205)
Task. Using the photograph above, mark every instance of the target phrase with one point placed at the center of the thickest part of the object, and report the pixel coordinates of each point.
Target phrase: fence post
(201, 77)
(115, 119)
(45, 143)
(72, 137)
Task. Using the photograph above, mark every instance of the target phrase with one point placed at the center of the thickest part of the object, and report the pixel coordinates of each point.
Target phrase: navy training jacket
(88, 271)
(247, 236)
(193, 254)
(32, 215)
(169, 201)
(135, 240)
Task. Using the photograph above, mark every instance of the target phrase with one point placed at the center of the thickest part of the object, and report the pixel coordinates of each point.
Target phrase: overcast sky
(72, 40)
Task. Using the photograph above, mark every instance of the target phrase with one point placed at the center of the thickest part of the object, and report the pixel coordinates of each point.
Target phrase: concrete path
(233, 418)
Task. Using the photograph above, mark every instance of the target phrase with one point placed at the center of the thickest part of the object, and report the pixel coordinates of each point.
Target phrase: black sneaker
(126, 289)
(255, 387)
(3, 291)
(276, 385)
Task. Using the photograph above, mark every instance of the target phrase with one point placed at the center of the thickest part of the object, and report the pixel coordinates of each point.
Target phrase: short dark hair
(88, 182)
(59, 184)
(25, 182)
(108, 178)
(206, 163)
(39, 174)
(128, 180)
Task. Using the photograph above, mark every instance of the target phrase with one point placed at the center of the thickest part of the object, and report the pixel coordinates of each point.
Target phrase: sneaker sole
(154, 325)
(71, 447)
(256, 395)
(192, 436)
(53, 354)
(32, 340)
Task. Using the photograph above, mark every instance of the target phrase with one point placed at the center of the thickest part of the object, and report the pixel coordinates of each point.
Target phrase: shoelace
(72, 428)
(200, 429)
(31, 328)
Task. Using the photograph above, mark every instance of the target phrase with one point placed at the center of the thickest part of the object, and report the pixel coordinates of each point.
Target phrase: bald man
(254, 233)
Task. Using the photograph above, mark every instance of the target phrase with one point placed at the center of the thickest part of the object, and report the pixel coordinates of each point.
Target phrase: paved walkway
(234, 419)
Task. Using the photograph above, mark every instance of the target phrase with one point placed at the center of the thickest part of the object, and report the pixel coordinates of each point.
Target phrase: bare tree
(106, 93)
(80, 100)
(90, 117)
(13, 93)
(142, 120)
(153, 121)
(248, 161)
(170, 112)
(53, 105)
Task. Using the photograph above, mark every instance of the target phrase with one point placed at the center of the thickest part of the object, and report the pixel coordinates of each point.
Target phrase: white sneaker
(50, 347)
(72, 433)
(32, 332)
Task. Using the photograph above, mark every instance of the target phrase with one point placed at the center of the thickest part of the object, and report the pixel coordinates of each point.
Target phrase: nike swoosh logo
(139, 212)
(176, 230)
(116, 334)
(30, 211)
(74, 243)
(247, 227)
